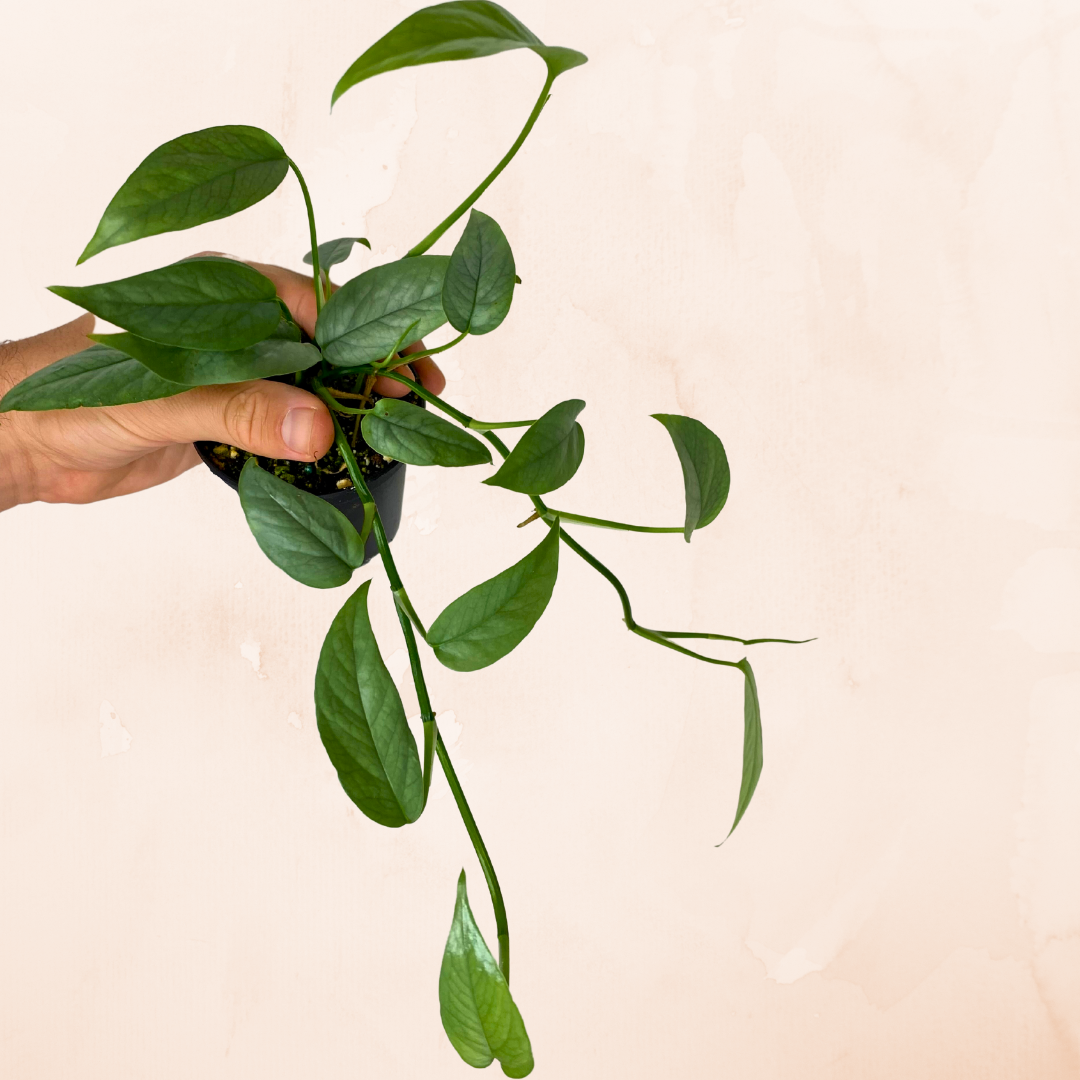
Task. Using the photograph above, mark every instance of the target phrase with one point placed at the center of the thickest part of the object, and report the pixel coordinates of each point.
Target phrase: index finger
(298, 293)
(296, 290)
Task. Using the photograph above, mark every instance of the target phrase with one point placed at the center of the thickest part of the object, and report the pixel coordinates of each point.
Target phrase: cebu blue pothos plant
(214, 320)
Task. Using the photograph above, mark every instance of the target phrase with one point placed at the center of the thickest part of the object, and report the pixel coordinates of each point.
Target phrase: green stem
(439, 229)
(501, 928)
(402, 598)
(727, 637)
(483, 425)
(552, 518)
(433, 742)
(392, 354)
(402, 358)
(396, 586)
(332, 402)
(421, 353)
(603, 523)
(652, 635)
(320, 299)
(431, 398)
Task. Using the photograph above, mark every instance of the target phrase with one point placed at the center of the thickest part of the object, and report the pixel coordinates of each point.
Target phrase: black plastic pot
(388, 488)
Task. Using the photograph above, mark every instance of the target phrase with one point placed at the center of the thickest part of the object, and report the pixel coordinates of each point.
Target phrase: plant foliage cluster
(214, 320)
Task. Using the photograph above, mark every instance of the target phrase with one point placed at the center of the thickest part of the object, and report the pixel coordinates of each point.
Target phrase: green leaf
(201, 303)
(364, 319)
(297, 531)
(293, 331)
(276, 355)
(456, 31)
(408, 433)
(547, 455)
(94, 377)
(336, 251)
(362, 721)
(478, 1013)
(199, 177)
(493, 618)
(480, 279)
(706, 475)
(753, 758)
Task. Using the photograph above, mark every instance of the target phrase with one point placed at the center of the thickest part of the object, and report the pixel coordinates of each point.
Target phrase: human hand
(82, 455)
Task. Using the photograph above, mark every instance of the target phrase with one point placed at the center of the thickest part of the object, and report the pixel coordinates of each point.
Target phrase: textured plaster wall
(844, 235)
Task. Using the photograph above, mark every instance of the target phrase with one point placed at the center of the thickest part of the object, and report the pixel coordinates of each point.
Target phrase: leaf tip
(93, 248)
(344, 84)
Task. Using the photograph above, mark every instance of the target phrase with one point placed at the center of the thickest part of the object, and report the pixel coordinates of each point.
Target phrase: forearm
(17, 429)
(13, 458)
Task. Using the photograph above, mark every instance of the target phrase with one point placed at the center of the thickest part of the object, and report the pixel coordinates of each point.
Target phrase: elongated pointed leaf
(480, 279)
(199, 177)
(297, 531)
(336, 251)
(547, 455)
(94, 377)
(455, 31)
(493, 618)
(408, 433)
(706, 475)
(200, 303)
(277, 355)
(478, 1013)
(362, 321)
(362, 721)
(753, 757)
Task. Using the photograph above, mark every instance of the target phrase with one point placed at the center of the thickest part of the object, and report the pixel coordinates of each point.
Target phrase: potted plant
(211, 319)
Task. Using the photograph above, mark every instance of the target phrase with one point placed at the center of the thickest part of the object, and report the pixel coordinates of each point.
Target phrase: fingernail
(296, 430)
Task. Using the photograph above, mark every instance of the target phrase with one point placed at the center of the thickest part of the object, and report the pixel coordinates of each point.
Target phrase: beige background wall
(845, 236)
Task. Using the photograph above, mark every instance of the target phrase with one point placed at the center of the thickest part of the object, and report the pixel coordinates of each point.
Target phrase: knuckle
(248, 418)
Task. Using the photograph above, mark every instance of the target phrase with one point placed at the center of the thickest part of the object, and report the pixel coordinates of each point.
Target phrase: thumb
(271, 419)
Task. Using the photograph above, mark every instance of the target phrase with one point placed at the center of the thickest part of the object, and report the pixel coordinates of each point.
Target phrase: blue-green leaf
(478, 1013)
(456, 31)
(753, 757)
(201, 303)
(362, 721)
(276, 355)
(337, 251)
(493, 618)
(199, 177)
(367, 316)
(479, 285)
(547, 455)
(408, 433)
(297, 531)
(94, 377)
(706, 476)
